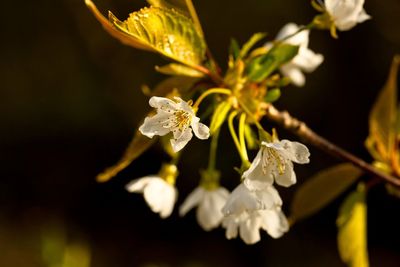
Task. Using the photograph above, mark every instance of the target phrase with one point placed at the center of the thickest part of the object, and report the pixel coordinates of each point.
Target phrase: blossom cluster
(255, 204)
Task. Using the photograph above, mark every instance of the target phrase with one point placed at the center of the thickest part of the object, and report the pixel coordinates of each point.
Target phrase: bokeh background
(70, 100)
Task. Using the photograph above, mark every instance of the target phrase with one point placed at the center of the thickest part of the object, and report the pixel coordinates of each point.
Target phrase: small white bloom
(244, 200)
(158, 191)
(246, 212)
(346, 13)
(306, 60)
(209, 205)
(274, 161)
(176, 117)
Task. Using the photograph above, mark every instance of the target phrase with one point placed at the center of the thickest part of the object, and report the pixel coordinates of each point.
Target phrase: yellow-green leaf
(261, 67)
(179, 70)
(321, 189)
(122, 37)
(352, 229)
(137, 146)
(166, 31)
(185, 7)
(179, 5)
(381, 141)
(219, 115)
(157, 29)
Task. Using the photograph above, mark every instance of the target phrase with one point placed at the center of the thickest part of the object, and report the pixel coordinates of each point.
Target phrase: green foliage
(383, 119)
(165, 31)
(219, 116)
(179, 70)
(179, 5)
(352, 226)
(321, 189)
(261, 67)
(272, 95)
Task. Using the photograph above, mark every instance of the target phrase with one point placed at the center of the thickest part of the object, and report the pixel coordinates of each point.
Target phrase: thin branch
(284, 119)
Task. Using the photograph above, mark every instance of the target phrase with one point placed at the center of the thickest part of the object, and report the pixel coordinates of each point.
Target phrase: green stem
(234, 136)
(213, 151)
(242, 122)
(250, 114)
(209, 92)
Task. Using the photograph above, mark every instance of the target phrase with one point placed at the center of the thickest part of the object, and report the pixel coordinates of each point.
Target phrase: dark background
(70, 101)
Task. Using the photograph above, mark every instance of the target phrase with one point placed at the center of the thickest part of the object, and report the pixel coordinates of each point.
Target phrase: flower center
(182, 119)
(270, 155)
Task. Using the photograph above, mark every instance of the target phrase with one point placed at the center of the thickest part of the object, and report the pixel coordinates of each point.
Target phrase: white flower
(346, 13)
(274, 161)
(306, 60)
(158, 191)
(209, 202)
(244, 200)
(249, 211)
(176, 117)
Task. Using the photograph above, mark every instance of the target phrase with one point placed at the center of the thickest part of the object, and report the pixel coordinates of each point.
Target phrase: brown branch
(284, 119)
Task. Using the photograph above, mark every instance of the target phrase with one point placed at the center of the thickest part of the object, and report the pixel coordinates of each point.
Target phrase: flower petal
(200, 130)
(192, 200)
(274, 222)
(307, 60)
(137, 185)
(184, 138)
(250, 229)
(165, 104)
(295, 75)
(288, 177)
(269, 197)
(231, 227)
(255, 178)
(300, 39)
(154, 125)
(160, 196)
(209, 214)
(241, 200)
(295, 151)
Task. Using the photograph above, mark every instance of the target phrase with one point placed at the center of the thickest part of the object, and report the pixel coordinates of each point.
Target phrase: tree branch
(284, 119)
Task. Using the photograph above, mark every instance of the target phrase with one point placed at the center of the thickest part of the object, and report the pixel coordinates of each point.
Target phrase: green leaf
(381, 141)
(251, 137)
(234, 49)
(179, 5)
(137, 146)
(321, 189)
(250, 43)
(157, 29)
(179, 70)
(352, 229)
(219, 115)
(272, 95)
(261, 67)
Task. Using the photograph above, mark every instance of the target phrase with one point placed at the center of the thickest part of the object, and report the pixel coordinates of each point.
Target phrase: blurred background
(70, 101)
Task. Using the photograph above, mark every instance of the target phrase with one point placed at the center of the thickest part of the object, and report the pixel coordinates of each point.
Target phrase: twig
(284, 119)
